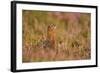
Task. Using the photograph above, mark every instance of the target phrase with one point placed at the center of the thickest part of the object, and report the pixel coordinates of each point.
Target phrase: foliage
(73, 35)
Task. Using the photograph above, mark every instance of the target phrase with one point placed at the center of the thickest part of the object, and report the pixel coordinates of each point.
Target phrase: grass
(73, 36)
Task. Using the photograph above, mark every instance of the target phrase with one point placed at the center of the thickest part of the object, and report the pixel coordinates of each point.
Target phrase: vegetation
(72, 36)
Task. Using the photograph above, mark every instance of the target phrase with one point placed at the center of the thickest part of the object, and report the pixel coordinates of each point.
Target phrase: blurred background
(72, 36)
